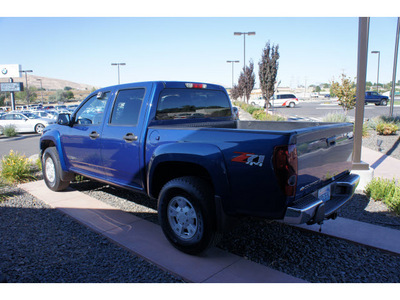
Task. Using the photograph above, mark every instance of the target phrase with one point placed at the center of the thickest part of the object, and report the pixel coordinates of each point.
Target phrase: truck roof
(175, 84)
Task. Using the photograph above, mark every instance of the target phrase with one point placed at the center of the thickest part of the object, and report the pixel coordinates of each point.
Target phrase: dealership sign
(11, 87)
(7, 71)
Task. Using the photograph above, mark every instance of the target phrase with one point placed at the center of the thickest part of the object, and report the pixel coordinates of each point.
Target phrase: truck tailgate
(323, 153)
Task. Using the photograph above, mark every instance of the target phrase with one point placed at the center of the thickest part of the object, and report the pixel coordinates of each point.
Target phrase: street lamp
(41, 89)
(244, 50)
(377, 76)
(232, 62)
(244, 44)
(26, 80)
(118, 64)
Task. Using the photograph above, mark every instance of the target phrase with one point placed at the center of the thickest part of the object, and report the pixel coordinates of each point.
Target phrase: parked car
(377, 99)
(45, 114)
(180, 144)
(235, 112)
(72, 107)
(286, 100)
(24, 122)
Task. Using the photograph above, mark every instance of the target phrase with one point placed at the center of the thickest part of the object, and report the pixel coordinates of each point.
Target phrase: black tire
(51, 169)
(292, 104)
(186, 212)
(383, 102)
(39, 128)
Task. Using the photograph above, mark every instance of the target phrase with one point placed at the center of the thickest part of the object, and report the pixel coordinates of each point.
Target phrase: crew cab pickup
(377, 99)
(180, 144)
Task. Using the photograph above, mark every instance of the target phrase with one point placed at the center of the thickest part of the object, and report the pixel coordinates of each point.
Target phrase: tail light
(285, 167)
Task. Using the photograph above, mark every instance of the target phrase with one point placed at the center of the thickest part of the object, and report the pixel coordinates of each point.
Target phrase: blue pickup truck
(375, 98)
(180, 144)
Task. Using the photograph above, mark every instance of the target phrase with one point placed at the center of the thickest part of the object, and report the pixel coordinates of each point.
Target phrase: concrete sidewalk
(146, 240)
(382, 165)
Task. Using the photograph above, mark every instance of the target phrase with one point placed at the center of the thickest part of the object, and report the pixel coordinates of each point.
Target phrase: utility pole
(26, 81)
(232, 62)
(396, 53)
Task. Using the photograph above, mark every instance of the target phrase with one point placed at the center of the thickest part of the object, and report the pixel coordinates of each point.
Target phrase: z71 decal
(249, 159)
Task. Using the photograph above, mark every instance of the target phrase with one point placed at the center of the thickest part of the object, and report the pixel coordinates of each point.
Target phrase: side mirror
(64, 119)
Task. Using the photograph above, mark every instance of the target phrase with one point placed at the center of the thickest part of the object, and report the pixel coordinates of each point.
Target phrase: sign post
(11, 87)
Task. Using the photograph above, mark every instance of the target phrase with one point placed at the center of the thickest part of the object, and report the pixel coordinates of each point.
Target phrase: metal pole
(118, 75)
(12, 97)
(41, 89)
(363, 32)
(27, 90)
(396, 52)
(377, 76)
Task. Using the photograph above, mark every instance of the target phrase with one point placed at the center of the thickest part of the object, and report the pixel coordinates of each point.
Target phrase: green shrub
(388, 119)
(258, 113)
(386, 128)
(16, 168)
(38, 164)
(385, 190)
(336, 118)
(9, 131)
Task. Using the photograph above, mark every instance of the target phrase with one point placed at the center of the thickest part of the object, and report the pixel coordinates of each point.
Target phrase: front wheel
(383, 102)
(292, 104)
(51, 167)
(187, 214)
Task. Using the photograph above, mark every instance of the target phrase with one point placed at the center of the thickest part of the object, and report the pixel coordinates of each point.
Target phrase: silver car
(24, 122)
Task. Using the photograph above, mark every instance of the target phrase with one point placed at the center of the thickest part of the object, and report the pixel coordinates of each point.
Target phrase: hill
(52, 83)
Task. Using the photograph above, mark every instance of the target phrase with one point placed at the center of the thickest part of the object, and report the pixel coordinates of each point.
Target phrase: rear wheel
(51, 167)
(39, 128)
(292, 104)
(187, 214)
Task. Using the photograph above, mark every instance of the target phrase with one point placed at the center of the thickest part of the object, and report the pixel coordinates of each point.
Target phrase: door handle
(94, 135)
(130, 137)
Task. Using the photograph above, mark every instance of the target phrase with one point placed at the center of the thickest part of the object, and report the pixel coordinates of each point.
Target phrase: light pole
(244, 52)
(377, 76)
(232, 62)
(118, 64)
(26, 80)
(41, 89)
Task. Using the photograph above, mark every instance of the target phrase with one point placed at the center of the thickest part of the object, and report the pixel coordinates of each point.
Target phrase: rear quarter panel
(245, 188)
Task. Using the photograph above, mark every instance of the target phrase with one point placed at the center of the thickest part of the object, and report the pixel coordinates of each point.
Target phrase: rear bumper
(311, 210)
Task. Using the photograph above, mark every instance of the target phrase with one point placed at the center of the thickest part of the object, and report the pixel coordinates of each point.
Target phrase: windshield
(31, 116)
(192, 103)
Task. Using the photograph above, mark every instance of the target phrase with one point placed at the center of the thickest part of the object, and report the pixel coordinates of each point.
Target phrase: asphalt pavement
(26, 144)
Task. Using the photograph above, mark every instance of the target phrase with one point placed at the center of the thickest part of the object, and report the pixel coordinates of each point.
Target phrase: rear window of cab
(192, 103)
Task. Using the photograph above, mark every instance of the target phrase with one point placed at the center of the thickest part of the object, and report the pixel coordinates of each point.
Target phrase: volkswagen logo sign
(4, 71)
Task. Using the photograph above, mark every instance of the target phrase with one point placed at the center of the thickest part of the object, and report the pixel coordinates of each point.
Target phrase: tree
(317, 89)
(250, 80)
(268, 70)
(235, 93)
(346, 93)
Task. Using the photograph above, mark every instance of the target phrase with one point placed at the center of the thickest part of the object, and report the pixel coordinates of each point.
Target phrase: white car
(286, 100)
(24, 122)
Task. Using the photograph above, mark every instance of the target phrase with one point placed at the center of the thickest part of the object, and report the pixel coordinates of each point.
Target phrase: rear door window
(127, 107)
(192, 103)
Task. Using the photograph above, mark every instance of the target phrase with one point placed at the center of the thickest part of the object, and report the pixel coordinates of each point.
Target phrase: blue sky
(313, 50)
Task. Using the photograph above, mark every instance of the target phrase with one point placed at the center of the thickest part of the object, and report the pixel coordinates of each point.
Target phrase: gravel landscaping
(39, 244)
(389, 144)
